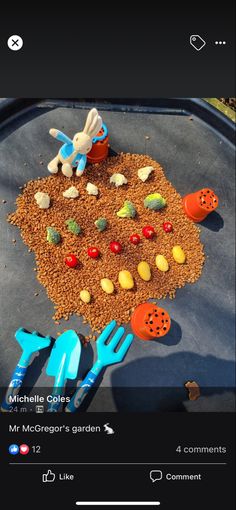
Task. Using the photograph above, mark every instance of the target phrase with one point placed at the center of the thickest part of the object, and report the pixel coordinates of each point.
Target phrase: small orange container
(149, 322)
(198, 205)
(99, 149)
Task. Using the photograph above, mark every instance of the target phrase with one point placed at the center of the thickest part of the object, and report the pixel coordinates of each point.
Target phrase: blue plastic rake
(30, 343)
(106, 355)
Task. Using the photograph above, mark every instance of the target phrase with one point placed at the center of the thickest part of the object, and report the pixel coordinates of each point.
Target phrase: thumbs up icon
(49, 476)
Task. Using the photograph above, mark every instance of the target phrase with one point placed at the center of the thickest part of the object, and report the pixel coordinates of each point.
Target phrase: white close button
(15, 42)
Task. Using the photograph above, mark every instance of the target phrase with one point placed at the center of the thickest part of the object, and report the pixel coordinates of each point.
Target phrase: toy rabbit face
(82, 143)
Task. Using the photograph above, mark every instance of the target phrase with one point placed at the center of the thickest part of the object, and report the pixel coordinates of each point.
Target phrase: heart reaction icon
(24, 449)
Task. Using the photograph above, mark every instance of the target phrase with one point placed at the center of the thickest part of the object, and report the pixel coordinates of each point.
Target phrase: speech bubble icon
(156, 475)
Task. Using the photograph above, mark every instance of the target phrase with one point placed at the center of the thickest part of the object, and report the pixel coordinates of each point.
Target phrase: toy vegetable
(42, 199)
(154, 201)
(162, 263)
(53, 236)
(107, 285)
(144, 271)
(71, 260)
(143, 173)
(118, 180)
(115, 247)
(148, 232)
(73, 226)
(101, 224)
(127, 211)
(71, 192)
(135, 239)
(73, 153)
(85, 296)
(178, 254)
(93, 252)
(126, 279)
(92, 189)
(167, 226)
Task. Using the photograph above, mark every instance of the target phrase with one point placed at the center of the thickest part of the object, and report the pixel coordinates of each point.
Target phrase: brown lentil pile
(63, 284)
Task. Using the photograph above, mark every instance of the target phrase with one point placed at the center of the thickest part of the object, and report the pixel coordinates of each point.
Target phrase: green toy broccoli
(53, 236)
(127, 211)
(101, 224)
(154, 201)
(73, 226)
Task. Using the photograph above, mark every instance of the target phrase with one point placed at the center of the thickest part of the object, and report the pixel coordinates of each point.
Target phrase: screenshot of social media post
(117, 259)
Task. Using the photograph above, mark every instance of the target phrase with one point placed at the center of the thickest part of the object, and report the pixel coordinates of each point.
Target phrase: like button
(49, 476)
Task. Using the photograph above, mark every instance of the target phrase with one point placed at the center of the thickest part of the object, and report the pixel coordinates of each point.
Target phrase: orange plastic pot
(198, 205)
(149, 322)
(99, 149)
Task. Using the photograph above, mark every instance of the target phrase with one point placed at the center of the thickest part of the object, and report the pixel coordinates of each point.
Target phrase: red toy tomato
(93, 252)
(148, 232)
(135, 239)
(167, 226)
(115, 247)
(71, 260)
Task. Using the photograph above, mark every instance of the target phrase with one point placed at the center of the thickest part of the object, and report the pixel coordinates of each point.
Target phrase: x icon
(15, 42)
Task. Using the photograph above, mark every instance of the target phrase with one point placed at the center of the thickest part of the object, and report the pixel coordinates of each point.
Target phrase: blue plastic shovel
(63, 364)
(30, 343)
(106, 355)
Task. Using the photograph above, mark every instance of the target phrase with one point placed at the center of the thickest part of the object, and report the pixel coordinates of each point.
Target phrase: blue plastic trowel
(63, 364)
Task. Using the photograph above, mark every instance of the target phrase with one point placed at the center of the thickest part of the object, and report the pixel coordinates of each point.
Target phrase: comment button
(156, 475)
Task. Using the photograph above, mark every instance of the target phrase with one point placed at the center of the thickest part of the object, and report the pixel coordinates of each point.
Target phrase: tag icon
(197, 42)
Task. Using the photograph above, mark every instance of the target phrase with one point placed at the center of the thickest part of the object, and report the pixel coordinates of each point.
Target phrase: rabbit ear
(89, 120)
(93, 123)
(95, 127)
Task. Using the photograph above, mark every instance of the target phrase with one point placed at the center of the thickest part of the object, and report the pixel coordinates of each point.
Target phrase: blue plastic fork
(106, 355)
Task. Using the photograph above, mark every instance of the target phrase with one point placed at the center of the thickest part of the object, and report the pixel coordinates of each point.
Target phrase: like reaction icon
(49, 476)
(13, 449)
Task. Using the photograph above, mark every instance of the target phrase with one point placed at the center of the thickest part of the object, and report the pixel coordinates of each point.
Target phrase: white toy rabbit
(73, 153)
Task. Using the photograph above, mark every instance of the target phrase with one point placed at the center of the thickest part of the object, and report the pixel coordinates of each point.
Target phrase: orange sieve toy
(198, 205)
(148, 321)
(99, 149)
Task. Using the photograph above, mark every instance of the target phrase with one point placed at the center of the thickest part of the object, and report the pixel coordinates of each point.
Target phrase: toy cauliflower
(118, 179)
(92, 189)
(127, 211)
(53, 236)
(73, 226)
(101, 224)
(71, 192)
(144, 172)
(154, 201)
(42, 199)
